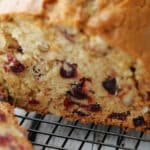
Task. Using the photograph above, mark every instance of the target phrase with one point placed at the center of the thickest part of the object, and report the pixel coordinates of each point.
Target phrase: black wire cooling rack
(50, 132)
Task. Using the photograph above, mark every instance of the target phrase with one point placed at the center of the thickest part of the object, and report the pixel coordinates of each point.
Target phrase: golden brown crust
(98, 117)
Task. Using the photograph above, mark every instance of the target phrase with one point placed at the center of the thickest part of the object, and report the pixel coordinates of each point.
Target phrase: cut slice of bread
(12, 136)
(55, 69)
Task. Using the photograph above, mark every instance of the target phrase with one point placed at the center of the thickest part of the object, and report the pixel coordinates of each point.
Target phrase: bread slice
(55, 67)
(12, 136)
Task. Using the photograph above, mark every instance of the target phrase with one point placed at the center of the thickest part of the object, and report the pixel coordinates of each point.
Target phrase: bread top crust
(124, 24)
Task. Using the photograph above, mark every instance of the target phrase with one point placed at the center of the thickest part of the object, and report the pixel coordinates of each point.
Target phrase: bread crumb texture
(55, 63)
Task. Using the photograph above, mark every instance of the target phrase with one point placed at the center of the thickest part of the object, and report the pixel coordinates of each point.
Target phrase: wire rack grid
(50, 132)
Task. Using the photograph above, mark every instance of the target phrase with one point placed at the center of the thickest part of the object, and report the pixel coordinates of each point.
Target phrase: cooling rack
(50, 132)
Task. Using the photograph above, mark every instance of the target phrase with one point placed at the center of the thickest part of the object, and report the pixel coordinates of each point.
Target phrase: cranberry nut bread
(56, 68)
(11, 134)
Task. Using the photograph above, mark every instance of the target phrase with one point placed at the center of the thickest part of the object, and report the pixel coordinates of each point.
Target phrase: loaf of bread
(12, 136)
(50, 64)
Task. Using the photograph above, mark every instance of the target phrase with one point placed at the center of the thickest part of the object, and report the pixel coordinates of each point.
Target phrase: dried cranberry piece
(94, 107)
(34, 102)
(148, 95)
(132, 68)
(13, 65)
(68, 103)
(2, 116)
(70, 71)
(78, 90)
(139, 121)
(19, 49)
(119, 116)
(17, 67)
(5, 140)
(10, 99)
(110, 85)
